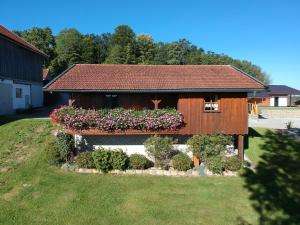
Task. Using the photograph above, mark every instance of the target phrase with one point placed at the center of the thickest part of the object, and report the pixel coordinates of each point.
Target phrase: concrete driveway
(274, 123)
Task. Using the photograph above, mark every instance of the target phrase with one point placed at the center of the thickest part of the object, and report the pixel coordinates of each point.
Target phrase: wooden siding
(231, 119)
(127, 101)
(19, 63)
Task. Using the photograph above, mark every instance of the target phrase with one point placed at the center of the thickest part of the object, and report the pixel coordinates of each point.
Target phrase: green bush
(216, 164)
(182, 162)
(85, 160)
(207, 146)
(52, 152)
(138, 161)
(233, 163)
(160, 149)
(119, 160)
(102, 159)
(66, 146)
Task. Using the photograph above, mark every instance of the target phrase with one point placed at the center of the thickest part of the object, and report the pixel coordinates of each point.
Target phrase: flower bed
(117, 119)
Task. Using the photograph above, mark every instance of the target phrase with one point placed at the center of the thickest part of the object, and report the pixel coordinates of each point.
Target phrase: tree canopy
(123, 46)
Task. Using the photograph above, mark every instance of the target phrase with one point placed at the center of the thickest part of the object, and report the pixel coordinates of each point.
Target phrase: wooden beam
(71, 100)
(240, 143)
(156, 102)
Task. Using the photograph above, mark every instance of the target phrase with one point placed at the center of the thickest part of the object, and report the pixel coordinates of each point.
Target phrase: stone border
(156, 172)
(152, 171)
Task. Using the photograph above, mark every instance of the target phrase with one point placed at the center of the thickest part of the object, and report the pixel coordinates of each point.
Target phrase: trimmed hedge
(182, 162)
(109, 159)
(119, 159)
(216, 164)
(138, 162)
(85, 160)
(233, 163)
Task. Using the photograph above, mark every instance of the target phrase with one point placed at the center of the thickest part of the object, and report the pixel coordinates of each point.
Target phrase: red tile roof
(14, 37)
(108, 77)
(46, 74)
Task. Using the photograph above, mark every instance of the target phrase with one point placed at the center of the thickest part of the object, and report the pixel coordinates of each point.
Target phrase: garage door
(6, 104)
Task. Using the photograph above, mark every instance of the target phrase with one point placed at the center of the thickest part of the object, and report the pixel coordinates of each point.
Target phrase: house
(211, 98)
(53, 99)
(21, 73)
(276, 96)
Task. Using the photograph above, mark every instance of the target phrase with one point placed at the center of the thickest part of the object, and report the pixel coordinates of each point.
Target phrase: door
(276, 101)
(6, 99)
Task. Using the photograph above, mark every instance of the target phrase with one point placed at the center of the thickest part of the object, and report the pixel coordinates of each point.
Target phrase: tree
(123, 36)
(116, 56)
(123, 49)
(69, 49)
(41, 38)
(146, 49)
(177, 52)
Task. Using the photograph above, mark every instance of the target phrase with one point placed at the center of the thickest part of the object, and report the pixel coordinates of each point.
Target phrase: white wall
(33, 91)
(282, 101)
(37, 95)
(19, 103)
(128, 143)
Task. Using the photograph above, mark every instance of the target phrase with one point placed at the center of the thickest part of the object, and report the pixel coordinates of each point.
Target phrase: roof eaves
(183, 90)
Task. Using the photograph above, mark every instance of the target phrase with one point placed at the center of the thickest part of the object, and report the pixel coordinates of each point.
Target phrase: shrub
(233, 163)
(119, 160)
(66, 145)
(160, 149)
(85, 160)
(216, 164)
(102, 159)
(52, 152)
(207, 146)
(138, 161)
(181, 162)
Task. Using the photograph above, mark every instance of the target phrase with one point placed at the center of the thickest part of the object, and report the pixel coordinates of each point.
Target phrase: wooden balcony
(122, 132)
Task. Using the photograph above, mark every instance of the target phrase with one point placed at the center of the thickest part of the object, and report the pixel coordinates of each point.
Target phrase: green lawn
(32, 192)
(254, 150)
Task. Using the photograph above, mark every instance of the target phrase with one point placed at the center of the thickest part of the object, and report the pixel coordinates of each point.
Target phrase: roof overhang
(196, 90)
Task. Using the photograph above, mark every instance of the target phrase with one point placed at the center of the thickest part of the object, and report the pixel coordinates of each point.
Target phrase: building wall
(37, 95)
(130, 144)
(32, 96)
(282, 101)
(19, 63)
(231, 119)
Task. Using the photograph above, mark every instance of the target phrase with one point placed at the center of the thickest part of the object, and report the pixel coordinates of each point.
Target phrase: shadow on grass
(275, 184)
(33, 113)
(251, 133)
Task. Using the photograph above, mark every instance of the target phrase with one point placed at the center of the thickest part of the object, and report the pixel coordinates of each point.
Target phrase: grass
(254, 150)
(32, 192)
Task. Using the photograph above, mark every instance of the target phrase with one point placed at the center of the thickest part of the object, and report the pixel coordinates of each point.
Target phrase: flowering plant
(117, 119)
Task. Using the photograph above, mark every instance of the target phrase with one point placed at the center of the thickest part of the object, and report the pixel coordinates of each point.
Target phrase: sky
(265, 32)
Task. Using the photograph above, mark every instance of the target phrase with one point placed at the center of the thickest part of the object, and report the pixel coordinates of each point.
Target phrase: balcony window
(211, 103)
(111, 101)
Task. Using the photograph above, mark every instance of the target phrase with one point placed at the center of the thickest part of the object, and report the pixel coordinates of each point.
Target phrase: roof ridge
(108, 64)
